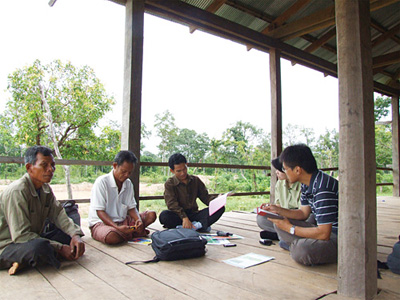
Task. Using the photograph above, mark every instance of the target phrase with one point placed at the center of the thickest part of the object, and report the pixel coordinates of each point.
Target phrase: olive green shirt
(23, 213)
(180, 196)
(287, 197)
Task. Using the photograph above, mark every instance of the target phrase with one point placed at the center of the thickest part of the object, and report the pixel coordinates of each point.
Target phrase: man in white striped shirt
(309, 244)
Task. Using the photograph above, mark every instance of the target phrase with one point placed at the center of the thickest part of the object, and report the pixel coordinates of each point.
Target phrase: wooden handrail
(20, 160)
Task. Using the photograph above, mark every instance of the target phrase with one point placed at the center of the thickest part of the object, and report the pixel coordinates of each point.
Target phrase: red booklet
(268, 214)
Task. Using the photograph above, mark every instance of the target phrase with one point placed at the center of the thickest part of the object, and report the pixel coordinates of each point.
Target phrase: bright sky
(208, 83)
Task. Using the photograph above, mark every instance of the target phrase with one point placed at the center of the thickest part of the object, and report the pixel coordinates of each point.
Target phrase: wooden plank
(187, 280)
(27, 284)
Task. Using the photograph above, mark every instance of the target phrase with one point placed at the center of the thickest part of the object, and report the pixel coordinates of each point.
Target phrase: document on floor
(248, 260)
(217, 203)
(140, 241)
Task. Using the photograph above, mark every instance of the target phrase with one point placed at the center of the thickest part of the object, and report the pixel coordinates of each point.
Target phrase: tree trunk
(53, 137)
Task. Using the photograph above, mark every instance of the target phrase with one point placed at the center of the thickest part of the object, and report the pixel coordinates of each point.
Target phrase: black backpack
(176, 243)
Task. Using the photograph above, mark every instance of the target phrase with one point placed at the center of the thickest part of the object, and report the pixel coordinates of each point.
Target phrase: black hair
(125, 156)
(31, 153)
(176, 159)
(299, 155)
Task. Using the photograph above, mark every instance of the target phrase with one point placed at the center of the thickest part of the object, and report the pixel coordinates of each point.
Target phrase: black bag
(176, 243)
(393, 260)
(50, 230)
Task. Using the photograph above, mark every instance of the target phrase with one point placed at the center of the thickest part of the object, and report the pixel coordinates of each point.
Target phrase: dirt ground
(83, 190)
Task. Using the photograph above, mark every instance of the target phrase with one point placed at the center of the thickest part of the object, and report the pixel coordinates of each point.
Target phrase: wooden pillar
(276, 112)
(132, 96)
(395, 145)
(357, 266)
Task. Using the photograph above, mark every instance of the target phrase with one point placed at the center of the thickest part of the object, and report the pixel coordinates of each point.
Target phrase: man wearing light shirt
(113, 216)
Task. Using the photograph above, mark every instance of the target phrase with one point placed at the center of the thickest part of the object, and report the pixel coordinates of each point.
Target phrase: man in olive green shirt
(181, 193)
(24, 206)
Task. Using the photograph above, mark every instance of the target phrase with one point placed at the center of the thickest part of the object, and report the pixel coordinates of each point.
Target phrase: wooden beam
(357, 247)
(386, 59)
(212, 8)
(387, 35)
(215, 5)
(321, 41)
(132, 96)
(285, 15)
(382, 29)
(394, 78)
(316, 21)
(276, 111)
(396, 145)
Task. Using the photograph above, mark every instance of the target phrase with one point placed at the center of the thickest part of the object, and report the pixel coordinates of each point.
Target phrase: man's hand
(272, 208)
(75, 249)
(186, 223)
(124, 228)
(282, 224)
(77, 246)
(139, 225)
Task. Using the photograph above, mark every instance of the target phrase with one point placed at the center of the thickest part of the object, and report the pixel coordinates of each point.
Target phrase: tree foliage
(77, 101)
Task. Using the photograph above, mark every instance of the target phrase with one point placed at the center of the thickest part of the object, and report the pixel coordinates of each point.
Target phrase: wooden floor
(102, 274)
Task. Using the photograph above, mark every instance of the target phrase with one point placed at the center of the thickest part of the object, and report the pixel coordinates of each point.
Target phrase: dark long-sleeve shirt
(180, 196)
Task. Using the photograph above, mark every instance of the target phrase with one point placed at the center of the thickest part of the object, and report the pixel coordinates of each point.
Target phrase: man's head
(296, 159)
(40, 165)
(123, 165)
(177, 164)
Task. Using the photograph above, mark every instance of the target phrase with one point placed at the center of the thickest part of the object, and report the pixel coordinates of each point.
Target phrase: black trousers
(31, 253)
(170, 219)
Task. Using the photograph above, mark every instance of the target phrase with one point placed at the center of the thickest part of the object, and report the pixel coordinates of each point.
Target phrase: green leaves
(77, 101)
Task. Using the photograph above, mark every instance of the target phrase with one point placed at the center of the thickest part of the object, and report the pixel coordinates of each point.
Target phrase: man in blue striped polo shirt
(309, 244)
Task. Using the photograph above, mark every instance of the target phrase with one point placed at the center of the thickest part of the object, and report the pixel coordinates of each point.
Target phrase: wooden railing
(19, 160)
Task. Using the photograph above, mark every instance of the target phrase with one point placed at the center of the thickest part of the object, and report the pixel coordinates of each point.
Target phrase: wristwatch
(291, 231)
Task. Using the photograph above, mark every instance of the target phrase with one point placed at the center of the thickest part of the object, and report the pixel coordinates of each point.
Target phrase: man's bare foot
(13, 269)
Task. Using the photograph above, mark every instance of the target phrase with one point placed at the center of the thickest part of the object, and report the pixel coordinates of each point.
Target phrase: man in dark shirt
(181, 192)
(309, 244)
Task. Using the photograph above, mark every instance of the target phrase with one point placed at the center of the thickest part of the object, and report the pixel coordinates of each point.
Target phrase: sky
(206, 82)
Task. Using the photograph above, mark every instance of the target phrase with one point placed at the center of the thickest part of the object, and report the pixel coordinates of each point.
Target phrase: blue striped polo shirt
(322, 195)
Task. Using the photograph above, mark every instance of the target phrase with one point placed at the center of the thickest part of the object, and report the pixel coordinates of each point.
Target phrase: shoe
(283, 245)
(197, 225)
(207, 230)
(265, 234)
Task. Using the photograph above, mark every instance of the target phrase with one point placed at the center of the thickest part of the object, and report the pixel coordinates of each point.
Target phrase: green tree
(326, 150)
(57, 104)
(381, 107)
(167, 131)
(193, 145)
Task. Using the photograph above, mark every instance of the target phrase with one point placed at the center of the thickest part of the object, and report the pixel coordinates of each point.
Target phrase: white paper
(248, 260)
(217, 203)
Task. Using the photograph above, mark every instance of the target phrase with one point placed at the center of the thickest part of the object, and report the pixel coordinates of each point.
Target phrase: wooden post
(276, 112)
(395, 145)
(132, 99)
(357, 247)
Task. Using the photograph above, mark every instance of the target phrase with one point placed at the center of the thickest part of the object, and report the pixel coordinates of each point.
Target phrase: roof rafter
(316, 21)
(386, 35)
(321, 41)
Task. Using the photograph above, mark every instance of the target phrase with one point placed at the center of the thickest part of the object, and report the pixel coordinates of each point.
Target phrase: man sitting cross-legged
(24, 207)
(181, 192)
(113, 217)
(309, 244)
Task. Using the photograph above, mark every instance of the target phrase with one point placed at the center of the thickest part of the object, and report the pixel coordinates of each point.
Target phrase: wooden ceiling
(303, 30)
